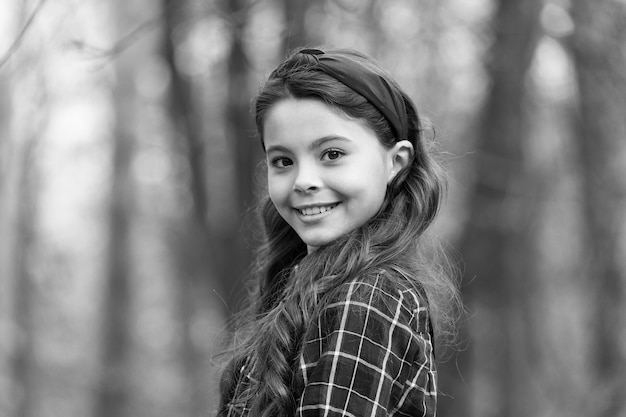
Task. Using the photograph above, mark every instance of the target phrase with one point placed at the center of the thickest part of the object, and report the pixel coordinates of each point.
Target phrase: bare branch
(129, 39)
(18, 40)
(121, 45)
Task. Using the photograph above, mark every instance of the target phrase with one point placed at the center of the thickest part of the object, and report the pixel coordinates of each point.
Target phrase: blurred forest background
(129, 166)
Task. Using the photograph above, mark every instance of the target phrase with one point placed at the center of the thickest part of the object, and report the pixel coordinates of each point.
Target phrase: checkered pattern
(369, 353)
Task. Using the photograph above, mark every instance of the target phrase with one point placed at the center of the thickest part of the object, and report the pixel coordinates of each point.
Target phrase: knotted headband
(371, 85)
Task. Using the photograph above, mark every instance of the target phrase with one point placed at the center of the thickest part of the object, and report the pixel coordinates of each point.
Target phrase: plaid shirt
(369, 353)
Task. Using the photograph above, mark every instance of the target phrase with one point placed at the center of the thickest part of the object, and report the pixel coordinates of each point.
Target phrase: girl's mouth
(311, 211)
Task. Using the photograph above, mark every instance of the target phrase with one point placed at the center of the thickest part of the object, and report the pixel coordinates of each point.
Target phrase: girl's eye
(332, 154)
(281, 162)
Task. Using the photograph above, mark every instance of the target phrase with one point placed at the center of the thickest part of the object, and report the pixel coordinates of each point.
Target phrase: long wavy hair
(286, 299)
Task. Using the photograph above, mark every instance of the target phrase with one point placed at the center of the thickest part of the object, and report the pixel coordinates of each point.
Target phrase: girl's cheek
(276, 190)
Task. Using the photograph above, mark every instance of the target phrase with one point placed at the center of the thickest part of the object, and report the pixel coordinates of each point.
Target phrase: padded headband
(371, 85)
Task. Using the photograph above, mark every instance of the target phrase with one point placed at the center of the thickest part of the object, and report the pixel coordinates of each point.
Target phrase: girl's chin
(313, 244)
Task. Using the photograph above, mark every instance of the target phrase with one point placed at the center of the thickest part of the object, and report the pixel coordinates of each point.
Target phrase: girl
(346, 309)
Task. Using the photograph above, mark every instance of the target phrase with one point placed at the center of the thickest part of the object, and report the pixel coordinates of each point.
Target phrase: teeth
(309, 211)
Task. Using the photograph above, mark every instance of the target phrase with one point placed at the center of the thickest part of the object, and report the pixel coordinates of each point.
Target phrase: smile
(311, 211)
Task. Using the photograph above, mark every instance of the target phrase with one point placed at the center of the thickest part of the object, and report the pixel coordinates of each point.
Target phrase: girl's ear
(401, 156)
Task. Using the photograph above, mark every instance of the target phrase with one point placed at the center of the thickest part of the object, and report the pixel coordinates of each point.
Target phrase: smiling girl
(348, 303)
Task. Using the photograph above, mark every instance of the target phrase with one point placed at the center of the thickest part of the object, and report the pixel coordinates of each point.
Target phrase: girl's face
(327, 174)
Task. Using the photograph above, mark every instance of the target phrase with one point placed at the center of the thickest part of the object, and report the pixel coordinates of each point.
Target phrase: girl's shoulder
(385, 292)
(385, 283)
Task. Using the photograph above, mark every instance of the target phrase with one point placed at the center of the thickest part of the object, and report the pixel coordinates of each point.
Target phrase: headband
(371, 85)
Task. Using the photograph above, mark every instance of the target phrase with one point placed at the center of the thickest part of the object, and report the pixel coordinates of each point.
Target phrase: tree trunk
(195, 253)
(600, 61)
(496, 243)
(24, 356)
(247, 153)
(113, 392)
(296, 34)
(25, 115)
(20, 235)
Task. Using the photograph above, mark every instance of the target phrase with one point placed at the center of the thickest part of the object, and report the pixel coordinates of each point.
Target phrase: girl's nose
(307, 179)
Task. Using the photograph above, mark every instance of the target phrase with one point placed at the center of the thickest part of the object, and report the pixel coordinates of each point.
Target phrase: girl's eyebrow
(277, 148)
(314, 145)
(321, 141)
